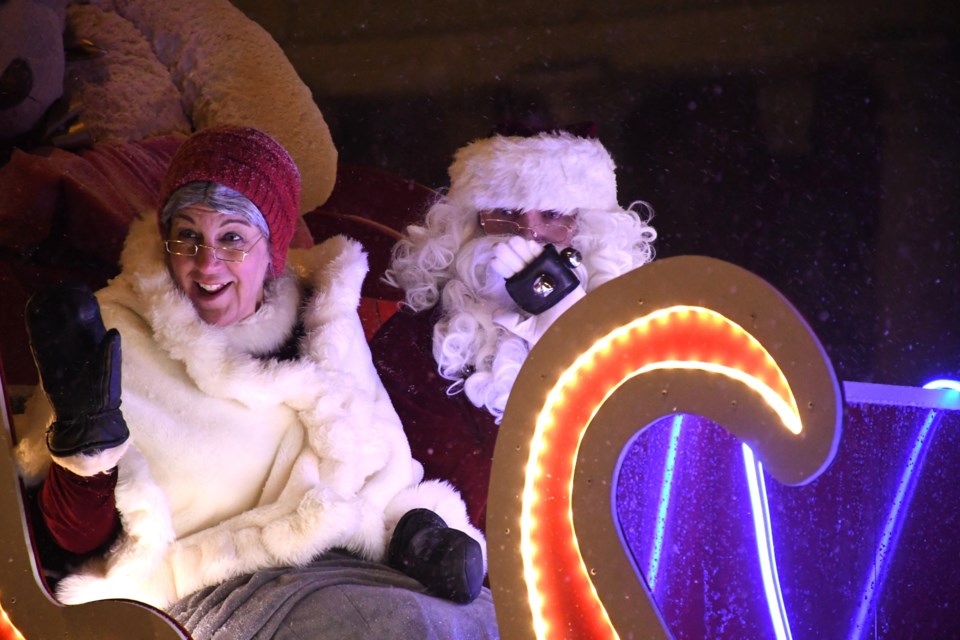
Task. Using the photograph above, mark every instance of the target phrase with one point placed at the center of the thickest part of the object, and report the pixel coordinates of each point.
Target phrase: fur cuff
(84, 464)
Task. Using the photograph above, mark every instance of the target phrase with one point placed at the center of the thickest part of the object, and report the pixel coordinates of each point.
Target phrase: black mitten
(448, 562)
(79, 365)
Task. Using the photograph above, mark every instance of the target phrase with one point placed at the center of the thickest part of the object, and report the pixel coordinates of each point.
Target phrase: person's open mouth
(212, 289)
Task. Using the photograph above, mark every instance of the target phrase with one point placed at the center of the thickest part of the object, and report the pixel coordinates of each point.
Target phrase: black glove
(448, 562)
(79, 365)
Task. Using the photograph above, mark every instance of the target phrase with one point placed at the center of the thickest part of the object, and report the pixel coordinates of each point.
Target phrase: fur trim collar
(227, 362)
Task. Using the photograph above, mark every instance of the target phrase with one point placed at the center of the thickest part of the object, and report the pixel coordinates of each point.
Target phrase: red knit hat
(250, 162)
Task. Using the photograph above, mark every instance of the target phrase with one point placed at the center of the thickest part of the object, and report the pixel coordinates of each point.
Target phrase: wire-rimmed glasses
(225, 254)
(496, 222)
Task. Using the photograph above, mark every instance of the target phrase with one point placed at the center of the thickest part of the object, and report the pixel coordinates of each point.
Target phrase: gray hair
(217, 197)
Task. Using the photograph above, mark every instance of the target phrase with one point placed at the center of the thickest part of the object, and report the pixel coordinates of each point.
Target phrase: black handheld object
(544, 282)
(79, 365)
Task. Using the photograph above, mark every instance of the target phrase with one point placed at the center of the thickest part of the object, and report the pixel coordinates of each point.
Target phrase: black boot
(448, 562)
(79, 365)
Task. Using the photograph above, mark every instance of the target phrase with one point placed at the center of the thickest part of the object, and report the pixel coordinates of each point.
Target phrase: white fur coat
(237, 461)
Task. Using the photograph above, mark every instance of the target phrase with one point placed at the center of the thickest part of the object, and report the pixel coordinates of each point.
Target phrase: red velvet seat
(372, 206)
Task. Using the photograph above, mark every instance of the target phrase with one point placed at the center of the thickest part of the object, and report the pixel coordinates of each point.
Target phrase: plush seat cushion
(65, 215)
(85, 200)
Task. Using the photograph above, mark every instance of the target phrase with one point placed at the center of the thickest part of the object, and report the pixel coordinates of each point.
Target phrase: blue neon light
(894, 524)
(765, 551)
(664, 503)
(943, 383)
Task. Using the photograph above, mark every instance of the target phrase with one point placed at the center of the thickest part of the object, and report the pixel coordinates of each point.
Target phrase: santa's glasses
(541, 226)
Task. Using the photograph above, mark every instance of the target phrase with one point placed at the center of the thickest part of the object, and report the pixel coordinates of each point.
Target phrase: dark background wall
(815, 143)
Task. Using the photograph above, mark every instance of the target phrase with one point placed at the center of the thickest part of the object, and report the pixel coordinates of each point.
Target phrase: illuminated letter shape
(680, 335)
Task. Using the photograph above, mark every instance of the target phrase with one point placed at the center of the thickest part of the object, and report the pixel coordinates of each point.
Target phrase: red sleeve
(451, 438)
(80, 512)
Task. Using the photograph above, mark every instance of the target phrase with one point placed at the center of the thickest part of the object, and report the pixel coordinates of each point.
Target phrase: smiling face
(222, 292)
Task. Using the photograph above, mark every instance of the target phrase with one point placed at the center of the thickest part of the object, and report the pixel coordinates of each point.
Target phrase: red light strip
(562, 596)
(7, 630)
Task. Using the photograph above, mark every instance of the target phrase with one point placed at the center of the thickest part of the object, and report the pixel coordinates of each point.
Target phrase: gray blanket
(336, 596)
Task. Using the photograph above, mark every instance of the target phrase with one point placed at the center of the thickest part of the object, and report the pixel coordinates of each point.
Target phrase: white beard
(479, 357)
(482, 358)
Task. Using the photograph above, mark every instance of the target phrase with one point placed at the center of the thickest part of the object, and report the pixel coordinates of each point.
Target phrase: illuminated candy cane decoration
(682, 335)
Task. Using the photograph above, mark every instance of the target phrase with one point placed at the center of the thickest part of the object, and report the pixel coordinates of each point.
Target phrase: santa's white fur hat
(549, 171)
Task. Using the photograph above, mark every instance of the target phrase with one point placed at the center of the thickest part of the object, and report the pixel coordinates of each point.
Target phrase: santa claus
(529, 225)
